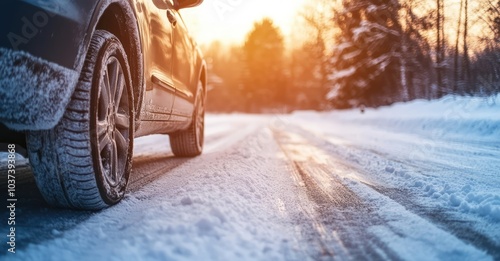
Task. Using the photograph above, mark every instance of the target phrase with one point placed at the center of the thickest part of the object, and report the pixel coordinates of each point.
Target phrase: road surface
(306, 186)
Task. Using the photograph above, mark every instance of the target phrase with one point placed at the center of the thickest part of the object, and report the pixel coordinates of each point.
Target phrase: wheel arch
(203, 77)
(202, 74)
(118, 18)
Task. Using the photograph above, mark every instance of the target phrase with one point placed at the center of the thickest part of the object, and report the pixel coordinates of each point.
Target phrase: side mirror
(179, 4)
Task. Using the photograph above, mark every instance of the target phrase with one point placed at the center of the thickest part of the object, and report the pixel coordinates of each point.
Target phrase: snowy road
(306, 186)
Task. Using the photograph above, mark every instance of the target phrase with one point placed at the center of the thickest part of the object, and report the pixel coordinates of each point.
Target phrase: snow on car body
(81, 79)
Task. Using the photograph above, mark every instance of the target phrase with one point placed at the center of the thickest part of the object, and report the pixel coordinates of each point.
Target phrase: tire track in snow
(333, 223)
(147, 170)
(349, 153)
(369, 225)
(461, 228)
(156, 159)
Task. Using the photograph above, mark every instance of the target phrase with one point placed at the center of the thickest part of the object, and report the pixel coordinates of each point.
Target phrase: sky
(231, 20)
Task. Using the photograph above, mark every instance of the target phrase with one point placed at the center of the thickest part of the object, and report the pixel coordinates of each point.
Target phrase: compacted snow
(414, 181)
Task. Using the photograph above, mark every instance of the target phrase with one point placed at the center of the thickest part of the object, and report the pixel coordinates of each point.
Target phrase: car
(80, 79)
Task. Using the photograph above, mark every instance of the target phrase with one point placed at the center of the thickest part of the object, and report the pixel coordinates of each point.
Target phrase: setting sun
(231, 20)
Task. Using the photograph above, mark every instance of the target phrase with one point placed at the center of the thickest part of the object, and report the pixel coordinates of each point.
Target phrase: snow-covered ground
(415, 181)
(447, 150)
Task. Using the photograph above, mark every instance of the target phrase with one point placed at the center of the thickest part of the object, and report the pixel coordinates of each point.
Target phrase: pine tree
(367, 62)
(264, 58)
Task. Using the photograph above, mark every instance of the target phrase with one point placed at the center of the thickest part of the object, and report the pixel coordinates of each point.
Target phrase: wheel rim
(113, 122)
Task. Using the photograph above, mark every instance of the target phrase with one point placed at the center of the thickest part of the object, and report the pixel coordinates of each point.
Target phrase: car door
(184, 60)
(157, 41)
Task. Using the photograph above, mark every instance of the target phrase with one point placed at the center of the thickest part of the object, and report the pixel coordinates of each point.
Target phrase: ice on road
(415, 181)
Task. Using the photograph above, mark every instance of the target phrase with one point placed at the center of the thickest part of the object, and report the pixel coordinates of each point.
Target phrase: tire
(85, 160)
(189, 142)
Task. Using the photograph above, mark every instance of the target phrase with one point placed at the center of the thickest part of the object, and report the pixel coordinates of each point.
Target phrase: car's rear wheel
(85, 160)
(189, 142)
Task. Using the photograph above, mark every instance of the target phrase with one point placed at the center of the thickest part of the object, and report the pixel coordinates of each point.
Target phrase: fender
(134, 52)
(201, 67)
(37, 98)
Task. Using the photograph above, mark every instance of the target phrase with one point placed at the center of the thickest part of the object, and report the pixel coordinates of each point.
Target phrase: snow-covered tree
(367, 61)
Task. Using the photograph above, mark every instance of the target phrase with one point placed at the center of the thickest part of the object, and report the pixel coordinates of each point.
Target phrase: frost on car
(80, 79)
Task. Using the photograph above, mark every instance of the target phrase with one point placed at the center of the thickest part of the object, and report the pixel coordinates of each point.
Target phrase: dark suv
(81, 78)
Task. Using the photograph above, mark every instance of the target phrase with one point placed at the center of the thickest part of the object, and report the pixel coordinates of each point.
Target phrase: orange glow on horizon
(229, 21)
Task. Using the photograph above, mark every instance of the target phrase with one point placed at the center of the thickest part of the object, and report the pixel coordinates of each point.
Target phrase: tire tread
(61, 158)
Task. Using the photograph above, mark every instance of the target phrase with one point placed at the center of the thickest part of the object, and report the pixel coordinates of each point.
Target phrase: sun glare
(231, 20)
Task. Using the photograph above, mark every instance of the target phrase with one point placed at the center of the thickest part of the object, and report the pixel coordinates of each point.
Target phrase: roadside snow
(451, 116)
(446, 151)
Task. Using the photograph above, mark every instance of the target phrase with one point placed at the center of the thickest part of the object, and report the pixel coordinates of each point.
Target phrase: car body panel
(36, 85)
(35, 26)
(156, 37)
(167, 72)
(184, 69)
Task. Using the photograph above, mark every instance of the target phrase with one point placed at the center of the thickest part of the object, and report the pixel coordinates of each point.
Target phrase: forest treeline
(351, 53)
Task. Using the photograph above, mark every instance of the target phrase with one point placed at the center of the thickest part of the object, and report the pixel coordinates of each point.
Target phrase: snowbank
(450, 116)
(446, 151)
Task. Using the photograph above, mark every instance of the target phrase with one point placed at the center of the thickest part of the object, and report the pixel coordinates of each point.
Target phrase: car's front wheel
(85, 160)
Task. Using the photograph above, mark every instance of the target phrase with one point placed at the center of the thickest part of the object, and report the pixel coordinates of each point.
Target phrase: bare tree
(466, 63)
(318, 18)
(457, 53)
(440, 47)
